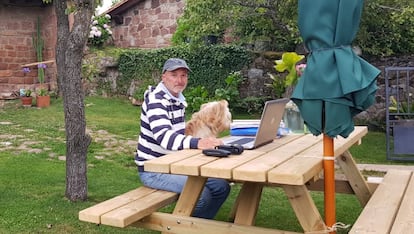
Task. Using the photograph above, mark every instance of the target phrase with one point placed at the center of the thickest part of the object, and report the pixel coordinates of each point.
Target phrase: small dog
(210, 120)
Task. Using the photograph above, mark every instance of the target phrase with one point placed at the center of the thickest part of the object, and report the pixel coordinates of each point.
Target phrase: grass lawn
(32, 170)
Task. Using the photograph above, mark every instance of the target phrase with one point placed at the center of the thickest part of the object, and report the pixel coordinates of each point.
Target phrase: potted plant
(291, 63)
(26, 97)
(43, 98)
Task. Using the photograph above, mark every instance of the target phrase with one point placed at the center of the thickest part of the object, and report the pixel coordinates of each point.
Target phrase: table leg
(304, 207)
(189, 196)
(355, 178)
(247, 203)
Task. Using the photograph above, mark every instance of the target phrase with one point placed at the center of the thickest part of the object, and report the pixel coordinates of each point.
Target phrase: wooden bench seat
(128, 208)
(391, 207)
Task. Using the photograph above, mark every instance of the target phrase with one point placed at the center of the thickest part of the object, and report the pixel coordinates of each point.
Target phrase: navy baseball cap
(173, 64)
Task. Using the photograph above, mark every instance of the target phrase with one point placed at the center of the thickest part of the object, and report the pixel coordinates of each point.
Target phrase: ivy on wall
(210, 65)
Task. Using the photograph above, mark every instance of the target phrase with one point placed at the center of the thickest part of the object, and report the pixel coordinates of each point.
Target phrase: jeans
(212, 197)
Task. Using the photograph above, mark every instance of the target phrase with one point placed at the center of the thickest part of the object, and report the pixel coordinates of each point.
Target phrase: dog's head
(212, 118)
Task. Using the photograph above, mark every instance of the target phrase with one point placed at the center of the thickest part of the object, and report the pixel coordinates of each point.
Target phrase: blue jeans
(213, 196)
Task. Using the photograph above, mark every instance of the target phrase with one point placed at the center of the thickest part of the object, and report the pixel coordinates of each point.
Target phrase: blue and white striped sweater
(162, 125)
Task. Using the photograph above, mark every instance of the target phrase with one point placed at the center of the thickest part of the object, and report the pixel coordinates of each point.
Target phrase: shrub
(100, 30)
(210, 65)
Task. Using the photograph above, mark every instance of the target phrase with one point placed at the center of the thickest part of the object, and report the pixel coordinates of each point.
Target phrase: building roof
(116, 11)
(121, 7)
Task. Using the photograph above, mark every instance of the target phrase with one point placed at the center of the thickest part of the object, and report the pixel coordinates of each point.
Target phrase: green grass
(32, 172)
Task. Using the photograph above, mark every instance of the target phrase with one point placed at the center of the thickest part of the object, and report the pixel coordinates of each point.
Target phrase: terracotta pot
(27, 101)
(43, 101)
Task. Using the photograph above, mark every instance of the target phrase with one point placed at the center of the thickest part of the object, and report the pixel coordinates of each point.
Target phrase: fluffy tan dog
(210, 120)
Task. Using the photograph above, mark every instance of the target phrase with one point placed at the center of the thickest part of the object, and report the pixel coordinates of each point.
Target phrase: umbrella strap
(327, 158)
(334, 228)
(331, 48)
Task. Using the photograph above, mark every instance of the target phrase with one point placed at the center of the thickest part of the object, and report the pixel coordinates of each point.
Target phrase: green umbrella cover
(337, 84)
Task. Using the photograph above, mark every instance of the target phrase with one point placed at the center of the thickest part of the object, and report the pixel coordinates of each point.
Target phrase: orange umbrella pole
(329, 176)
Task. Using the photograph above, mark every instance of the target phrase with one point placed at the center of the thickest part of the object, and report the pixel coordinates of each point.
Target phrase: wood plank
(296, 171)
(305, 209)
(223, 168)
(189, 196)
(162, 164)
(93, 214)
(191, 166)
(136, 210)
(341, 144)
(380, 211)
(256, 169)
(404, 222)
(278, 142)
(341, 186)
(309, 163)
(37, 63)
(248, 203)
(357, 181)
(189, 225)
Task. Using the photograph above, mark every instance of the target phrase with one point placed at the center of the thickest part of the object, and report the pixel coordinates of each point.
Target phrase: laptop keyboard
(242, 141)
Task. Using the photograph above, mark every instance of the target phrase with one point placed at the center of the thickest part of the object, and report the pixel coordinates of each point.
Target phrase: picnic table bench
(128, 208)
(391, 207)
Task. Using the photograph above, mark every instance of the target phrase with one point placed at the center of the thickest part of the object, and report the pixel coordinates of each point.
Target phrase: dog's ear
(214, 111)
(204, 105)
(224, 103)
(189, 128)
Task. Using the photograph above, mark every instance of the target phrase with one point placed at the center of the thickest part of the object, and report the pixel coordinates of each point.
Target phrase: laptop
(269, 124)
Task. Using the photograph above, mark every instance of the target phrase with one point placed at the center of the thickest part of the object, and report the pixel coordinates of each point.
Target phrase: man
(162, 132)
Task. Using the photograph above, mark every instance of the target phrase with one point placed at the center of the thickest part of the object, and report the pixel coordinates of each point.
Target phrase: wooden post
(329, 175)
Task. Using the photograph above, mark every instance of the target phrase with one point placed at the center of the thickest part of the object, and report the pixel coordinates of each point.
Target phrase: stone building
(144, 23)
(18, 21)
(135, 24)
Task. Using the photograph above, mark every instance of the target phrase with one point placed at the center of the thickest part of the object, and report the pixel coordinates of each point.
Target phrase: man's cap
(173, 64)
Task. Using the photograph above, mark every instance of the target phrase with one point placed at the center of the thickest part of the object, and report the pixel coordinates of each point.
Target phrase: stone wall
(17, 26)
(149, 24)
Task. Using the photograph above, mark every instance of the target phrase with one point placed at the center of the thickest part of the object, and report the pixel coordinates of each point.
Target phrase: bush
(210, 65)
(390, 34)
(100, 30)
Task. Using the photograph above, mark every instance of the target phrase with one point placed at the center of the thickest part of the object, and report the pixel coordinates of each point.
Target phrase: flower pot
(26, 101)
(43, 101)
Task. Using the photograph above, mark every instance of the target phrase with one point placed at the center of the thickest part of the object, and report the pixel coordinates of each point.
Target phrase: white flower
(95, 22)
(105, 26)
(107, 16)
(109, 31)
(94, 28)
(98, 33)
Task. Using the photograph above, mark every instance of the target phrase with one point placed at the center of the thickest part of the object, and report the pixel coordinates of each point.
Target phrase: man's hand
(209, 143)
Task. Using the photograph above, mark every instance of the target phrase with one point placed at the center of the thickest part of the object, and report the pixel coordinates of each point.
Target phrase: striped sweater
(162, 125)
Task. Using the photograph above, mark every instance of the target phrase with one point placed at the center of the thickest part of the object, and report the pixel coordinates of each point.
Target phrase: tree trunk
(69, 53)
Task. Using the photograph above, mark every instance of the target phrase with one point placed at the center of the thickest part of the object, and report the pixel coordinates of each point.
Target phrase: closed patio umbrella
(337, 84)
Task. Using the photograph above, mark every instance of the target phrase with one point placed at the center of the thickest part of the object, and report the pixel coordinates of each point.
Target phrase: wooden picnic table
(291, 162)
